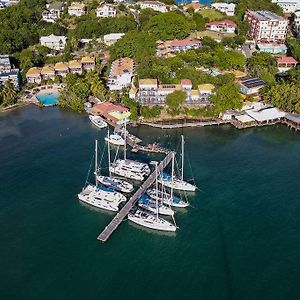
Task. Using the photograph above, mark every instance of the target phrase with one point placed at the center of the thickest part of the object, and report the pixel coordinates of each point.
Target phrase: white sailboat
(175, 182)
(98, 121)
(100, 196)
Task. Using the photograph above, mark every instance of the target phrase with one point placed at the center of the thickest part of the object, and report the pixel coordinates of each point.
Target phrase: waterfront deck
(185, 124)
(117, 220)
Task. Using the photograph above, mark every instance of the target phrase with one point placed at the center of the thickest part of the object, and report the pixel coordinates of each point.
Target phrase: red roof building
(285, 63)
(222, 26)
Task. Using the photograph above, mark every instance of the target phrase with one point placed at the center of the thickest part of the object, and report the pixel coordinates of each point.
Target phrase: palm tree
(9, 94)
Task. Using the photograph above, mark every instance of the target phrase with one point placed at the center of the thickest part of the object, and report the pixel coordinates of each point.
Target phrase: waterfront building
(195, 5)
(121, 73)
(48, 72)
(75, 67)
(61, 69)
(296, 22)
(53, 12)
(88, 63)
(266, 26)
(77, 9)
(8, 73)
(155, 5)
(226, 8)
(273, 48)
(227, 26)
(33, 75)
(285, 63)
(105, 10)
(111, 38)
(250, 85)
(288, 6)
(5, 62)
(54, 42)
(171, 47)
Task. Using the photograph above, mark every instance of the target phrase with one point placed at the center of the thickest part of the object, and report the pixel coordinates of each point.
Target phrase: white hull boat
(117, 184)
(123, 172)
(98, 121)
(115, 139)
(133, 166)
(150, 205)
(151, 221)
(176, 183)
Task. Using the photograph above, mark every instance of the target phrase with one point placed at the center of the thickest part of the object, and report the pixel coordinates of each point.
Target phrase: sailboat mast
(182, 156)
(172, 175)
(156, 190)
(108, 149)
(125, 138)
(96, 161)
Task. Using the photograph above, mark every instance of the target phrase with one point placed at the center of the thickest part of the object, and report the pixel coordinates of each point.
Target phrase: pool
(48, 99)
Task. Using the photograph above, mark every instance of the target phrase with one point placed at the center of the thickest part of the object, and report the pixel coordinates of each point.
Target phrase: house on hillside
(226, 8)
(285, 63)
(195, 5)
(77, 9)
(75, 67)
(105, 10)
(227, 26)
(54, 42)
(111, 38)
(33, 75)
(8, 73)
(48, 72)
(88, 63)
(169, 48)
(155, 5)
(288, 6)
(250, 85)
(53, 12)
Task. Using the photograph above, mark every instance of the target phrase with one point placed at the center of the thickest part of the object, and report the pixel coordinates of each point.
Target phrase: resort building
(113, 113)
(61, 69)
(273, 48)
(77, 9)
(288, 6)
(111, 38)
(226, 8)
(121, 73)
(88, 63)
(150, 92)
(250, 86)
(296, 22)
(155, 5)
(105, 10)
(54, 42)
(266, 26)
(286, 63)
(53, 12)
(227, 26)
(48, 72)
(33, 75)
(195, 5)
(75, 67)
(170, 48)
(8, 73)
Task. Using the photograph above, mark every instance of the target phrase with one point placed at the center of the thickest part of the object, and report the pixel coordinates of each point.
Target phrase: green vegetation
(211, 14)
(261, 64)
(294, 47)
(8, 94)
(150, 112)
(174, 102)
(132, 105)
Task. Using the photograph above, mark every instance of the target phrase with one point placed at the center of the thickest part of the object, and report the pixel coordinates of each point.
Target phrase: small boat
(152, 205)
(117, 184)
(115, 139)
(150, 220)
(98, 121)
(176, 183)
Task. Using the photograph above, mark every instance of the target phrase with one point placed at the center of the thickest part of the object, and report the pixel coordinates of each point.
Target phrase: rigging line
(116, 154)
(91, 163)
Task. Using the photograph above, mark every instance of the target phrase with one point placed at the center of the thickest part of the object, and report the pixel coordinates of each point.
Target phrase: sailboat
(99, 196)
(116, 183)
(175, 182)
(150, 219)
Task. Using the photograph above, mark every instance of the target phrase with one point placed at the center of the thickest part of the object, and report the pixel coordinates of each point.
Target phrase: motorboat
(115, 139)
(98, 121)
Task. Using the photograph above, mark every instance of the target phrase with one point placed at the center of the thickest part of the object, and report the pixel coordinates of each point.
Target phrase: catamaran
(150, 204)
(175, 182)
(115, 139)
(99, 196)
(98, 121)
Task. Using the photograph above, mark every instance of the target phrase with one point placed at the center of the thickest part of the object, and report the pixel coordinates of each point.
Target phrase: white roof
(53, 38)
(113, 36)
(244, 118)
(265, 114)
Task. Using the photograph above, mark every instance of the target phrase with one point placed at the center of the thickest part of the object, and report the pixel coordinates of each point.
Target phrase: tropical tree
(174, 101)
(9, 94)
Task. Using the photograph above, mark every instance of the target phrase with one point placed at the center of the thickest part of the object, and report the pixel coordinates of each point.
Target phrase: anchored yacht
(115, 139)
(98, 121)
(116, 183)
(152, 206)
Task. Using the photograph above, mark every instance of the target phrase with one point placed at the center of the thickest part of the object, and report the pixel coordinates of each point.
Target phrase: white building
(155, 5)
(266, 26)
(105, 10)
(121, 73)
(54, 42)
(288, 6)
(226, 8)
(53, 12)
(77, 9)
(8, 73)
(221, 26)
(296, 22)
(111, 38)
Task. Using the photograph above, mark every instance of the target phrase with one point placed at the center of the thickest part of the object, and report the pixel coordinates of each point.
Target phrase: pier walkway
(117, 220)
(185, 124)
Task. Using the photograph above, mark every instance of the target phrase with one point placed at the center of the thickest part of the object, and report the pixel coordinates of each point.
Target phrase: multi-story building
(150, 92)
(77, 9)
(227, 26)
(8, 73)
(266, 26)
(288, 6)
(33, 75)
(105, 10)
(54, 42)
(88, 63)
(53, 12)
(121, 73)
(296, 22)
(169, 48)
(226, 8)
(155, 5)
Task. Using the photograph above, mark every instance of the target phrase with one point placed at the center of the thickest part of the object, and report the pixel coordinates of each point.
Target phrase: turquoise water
(205, 2)
(240, 240)
(48, 99)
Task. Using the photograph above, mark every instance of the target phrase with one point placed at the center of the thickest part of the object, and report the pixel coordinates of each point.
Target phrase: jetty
(185, 124)
(121, 215)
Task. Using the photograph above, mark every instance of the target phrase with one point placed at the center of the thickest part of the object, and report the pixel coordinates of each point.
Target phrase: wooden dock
(117, 220)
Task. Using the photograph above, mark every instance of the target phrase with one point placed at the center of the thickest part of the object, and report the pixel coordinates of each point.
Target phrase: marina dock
(117, 220)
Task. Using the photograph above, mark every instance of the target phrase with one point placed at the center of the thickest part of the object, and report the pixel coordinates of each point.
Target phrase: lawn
(211, 14)
(212, 34)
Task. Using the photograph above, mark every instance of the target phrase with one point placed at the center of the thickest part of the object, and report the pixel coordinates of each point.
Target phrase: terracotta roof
(148, 81)
(33, 72)
(186, 82)
(225, 22)
(286, 60)
(61, 66)
(122, 66)
(47, 70)
(239, 74)
(206, 87)
(105, 108)
(88, 59)
(75, 64)
(182, 43)
(194, 5)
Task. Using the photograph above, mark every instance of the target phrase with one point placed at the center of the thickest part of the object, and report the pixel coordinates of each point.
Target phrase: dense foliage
(150, 112)
(8, 94)
(174, 101)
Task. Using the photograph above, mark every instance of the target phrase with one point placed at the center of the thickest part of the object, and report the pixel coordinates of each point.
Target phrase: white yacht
(150, 220)
(152, 206)
(115, 139)
(133, 166)
(116, 183)
(166, 198)
(98, 121)
(124, 172)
